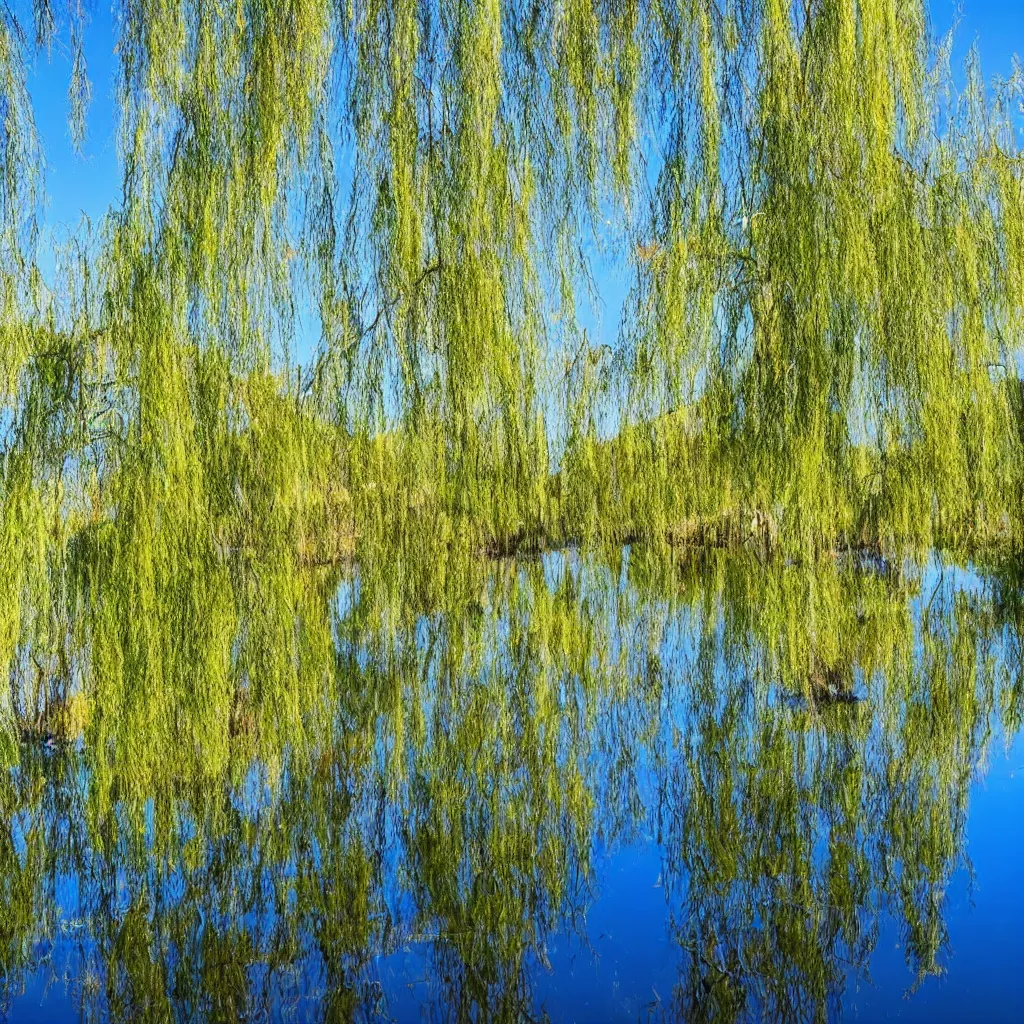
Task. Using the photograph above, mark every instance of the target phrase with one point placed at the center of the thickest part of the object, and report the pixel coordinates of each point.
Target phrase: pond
(575, 788)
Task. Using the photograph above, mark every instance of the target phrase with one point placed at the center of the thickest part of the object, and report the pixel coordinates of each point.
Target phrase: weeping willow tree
(825, 242)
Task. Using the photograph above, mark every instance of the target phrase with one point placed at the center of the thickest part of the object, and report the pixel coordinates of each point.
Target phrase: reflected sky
(621, 787)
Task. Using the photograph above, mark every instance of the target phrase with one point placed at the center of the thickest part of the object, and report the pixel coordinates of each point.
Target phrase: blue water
(984, 979)
(627, 968)
(628, 965)
(608, 932)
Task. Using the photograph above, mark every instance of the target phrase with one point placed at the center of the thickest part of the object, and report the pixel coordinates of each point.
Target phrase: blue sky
(87, 184)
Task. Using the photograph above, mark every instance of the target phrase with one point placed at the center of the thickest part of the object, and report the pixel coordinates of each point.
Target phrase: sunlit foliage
(219, 557)
(825, 243)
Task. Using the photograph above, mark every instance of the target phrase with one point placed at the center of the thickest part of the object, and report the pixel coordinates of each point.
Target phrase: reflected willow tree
(793, 830)
(484, 743)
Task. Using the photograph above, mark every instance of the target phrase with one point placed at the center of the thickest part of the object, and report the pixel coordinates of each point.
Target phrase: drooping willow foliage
(824, 241)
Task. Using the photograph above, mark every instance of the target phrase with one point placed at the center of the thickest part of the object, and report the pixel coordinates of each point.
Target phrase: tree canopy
(824, 240)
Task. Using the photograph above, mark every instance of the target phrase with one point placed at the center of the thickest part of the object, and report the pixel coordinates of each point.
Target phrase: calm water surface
(576, 789)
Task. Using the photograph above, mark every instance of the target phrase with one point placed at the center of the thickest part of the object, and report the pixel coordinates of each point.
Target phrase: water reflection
(433, 764)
